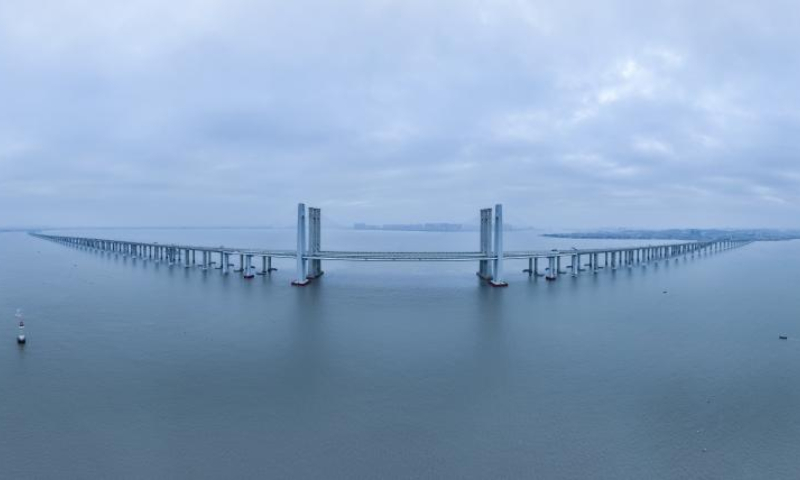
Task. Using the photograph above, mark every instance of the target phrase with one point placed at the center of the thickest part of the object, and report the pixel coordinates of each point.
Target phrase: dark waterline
(138, 370)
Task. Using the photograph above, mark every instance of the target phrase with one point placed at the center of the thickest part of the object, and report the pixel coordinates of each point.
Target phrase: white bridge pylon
(309, 252)
(491, 245)
(309, 265)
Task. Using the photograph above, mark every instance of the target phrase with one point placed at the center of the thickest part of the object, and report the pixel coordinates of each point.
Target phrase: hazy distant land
(684, 234)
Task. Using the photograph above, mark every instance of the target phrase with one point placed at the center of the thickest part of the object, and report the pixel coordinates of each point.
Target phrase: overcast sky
(571, 113)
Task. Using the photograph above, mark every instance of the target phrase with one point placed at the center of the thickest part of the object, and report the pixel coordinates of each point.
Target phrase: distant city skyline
(419, 227)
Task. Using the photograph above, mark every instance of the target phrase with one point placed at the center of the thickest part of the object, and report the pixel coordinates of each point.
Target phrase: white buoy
(21, 334)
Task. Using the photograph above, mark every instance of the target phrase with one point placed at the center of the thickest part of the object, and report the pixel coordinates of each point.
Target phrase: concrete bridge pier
(552, 269)
(533, 267)
(248, 267)
(266, 266)
(263, 266)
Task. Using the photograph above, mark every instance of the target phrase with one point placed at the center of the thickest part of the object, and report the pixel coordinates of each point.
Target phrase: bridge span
(309, 254)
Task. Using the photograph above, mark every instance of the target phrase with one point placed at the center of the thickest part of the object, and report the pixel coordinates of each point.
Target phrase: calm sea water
(139, 370)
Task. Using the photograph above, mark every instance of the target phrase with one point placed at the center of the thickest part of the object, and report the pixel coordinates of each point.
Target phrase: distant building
(412, 227)
(443, 227)
(364, 226)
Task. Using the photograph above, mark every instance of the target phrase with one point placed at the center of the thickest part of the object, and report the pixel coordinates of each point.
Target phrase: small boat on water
(21, 334)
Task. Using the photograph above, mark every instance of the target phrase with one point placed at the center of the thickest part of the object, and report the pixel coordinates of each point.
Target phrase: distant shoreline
(683, 234)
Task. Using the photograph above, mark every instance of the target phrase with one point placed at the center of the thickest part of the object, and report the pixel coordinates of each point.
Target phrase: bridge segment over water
(309, 255)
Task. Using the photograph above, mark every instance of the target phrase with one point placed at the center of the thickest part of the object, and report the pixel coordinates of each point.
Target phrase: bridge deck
(376, 256)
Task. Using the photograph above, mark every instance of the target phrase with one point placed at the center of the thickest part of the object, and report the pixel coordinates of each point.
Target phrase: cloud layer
(576, 113)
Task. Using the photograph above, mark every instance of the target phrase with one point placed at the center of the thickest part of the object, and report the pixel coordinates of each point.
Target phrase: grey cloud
(572, 113)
